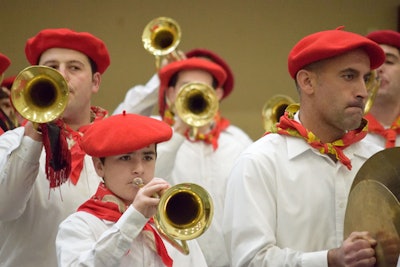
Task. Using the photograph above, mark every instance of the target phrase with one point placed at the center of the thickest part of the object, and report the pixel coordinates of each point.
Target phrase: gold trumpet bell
(160, 37)
(273, 109)
(40, 94)
(185, 212)
(196, 104)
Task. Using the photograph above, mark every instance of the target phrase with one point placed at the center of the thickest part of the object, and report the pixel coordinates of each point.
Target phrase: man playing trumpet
(30, 211)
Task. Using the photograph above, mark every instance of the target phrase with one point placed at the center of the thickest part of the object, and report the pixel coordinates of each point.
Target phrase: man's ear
(170, 95)
(96, 82)
(219, 93)
(306, 81)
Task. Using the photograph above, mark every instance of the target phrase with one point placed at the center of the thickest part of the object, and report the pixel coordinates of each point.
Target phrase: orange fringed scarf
(220, 124)
(288, 126)
(389, 134)
(105, 205)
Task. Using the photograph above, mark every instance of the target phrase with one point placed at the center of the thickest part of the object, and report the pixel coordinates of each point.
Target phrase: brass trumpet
(196, 104)
(40, 94)
(273, 109)
(185, 212)
(373, 83)
(160, 37)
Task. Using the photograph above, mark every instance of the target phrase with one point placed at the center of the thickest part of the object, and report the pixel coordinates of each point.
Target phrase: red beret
(123, 133)
(331, 43)
(387, 37)
(83, 42)
(169, 70)
(4, 63)
(200, 52)
(8, 82)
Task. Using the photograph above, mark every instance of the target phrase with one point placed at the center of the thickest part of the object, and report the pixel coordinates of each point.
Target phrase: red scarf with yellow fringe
(287, 125)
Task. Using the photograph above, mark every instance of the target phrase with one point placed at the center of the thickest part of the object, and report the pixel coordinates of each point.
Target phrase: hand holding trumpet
(147, 197)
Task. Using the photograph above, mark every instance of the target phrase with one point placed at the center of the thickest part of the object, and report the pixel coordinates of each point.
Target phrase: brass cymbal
(374, 203)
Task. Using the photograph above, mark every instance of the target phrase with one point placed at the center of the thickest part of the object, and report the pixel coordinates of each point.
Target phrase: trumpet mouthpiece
(138, 182)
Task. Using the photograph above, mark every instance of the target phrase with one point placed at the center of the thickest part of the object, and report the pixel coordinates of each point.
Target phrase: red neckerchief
(211, 138)
(389, 134)
(288, 126)
(74, 137)
(58, 156)
(105, 205)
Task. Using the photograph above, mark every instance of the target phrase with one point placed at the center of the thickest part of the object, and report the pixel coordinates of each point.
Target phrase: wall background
(253, 36)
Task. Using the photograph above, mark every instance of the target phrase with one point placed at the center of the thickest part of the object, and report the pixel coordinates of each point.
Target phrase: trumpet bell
(185, 212)
(161, 36)
(273, 109)
(39, 94)
(196, 104)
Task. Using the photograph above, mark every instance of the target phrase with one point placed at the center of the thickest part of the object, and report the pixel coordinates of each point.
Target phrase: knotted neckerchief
(105, 205)
(288, 126)
(74, 137)
(58, 156)
(389, 134)
(219, 125)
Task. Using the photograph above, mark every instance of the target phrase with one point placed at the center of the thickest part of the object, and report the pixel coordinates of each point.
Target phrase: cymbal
(374, 202)
(384, 167)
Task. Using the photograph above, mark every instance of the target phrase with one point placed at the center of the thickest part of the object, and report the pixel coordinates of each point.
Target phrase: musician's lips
(357, 106)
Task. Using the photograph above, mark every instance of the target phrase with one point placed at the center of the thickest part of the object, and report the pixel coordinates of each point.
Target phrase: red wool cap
(169, 70)
(387, 37)
(4, 63)
(331, 43)
(200, 52)
(83, 42)
(123, 133)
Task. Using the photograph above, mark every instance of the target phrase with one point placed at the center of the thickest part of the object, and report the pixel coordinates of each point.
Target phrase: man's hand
(356, 251)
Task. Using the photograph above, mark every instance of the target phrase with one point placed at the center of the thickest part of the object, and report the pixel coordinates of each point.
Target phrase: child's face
(119, 171)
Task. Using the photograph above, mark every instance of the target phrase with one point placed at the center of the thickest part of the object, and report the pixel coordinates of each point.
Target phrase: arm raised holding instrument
(115, 225)
(32, 205)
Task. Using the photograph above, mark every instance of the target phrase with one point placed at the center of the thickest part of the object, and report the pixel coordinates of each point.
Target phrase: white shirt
(285, 202)
(30, 211)
(85, 240)
(141, 99)
(380, 140)
(181, 161)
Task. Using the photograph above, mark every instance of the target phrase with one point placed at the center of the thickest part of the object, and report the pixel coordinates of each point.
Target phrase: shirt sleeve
(166, 155)
(85, 240)
(140, 99)
(19, 166)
